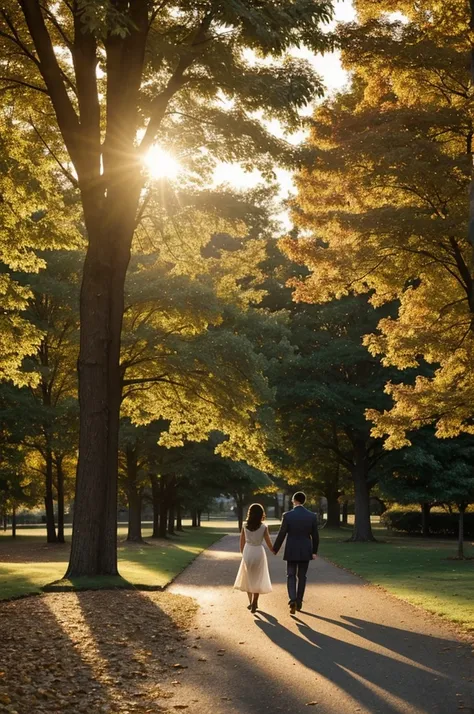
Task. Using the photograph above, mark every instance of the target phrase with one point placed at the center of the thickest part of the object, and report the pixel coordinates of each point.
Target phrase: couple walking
(300, 528)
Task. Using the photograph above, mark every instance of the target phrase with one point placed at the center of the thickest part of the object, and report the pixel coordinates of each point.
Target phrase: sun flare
(161, 164)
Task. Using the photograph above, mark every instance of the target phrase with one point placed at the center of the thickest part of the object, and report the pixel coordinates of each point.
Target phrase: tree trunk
(5, 520)
(155, 494)
(362, 526)
(425, 519)
(194, 518)
(163, 507)
(345, 511)
(13, 522)
(179, 518)
(239, 500)
(48, 498)
(334, 511)
(60, 494)
(462, 508)
(135, 515)
(134, 495)
(171, 516)
(94, 541)
(199, 514)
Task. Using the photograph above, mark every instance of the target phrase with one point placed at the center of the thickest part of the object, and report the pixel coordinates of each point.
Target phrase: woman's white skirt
(253, 575)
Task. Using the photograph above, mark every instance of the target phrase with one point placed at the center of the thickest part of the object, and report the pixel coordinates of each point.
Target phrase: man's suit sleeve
(315, 536)
(281, 534)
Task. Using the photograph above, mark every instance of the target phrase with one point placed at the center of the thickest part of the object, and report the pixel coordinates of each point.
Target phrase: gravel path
(352, 649)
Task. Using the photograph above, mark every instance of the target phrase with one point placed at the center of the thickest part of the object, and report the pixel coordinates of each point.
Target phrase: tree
(391, 177)
(433, 471)
(161, 72)
(324, 384)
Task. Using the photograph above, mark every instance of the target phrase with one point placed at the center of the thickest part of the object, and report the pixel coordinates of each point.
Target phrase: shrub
(441, 524)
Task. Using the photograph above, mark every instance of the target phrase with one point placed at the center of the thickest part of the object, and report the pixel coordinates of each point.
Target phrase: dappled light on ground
(92, 652)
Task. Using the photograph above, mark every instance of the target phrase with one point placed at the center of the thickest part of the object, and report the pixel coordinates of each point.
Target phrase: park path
(353, 649)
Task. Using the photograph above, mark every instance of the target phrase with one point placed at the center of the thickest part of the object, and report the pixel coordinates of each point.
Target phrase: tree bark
(462, 508)
(155, 495)
(5, 521)
(199, 516)
(334, 511)
(13, 522)
(60, 495)
(425, 519)
(194, 518)
(48, 498)
(362, 527)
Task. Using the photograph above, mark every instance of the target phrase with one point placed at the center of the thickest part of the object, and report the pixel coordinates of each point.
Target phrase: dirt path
(353, 649)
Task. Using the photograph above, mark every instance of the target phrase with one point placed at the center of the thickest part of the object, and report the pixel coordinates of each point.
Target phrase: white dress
(253, 575)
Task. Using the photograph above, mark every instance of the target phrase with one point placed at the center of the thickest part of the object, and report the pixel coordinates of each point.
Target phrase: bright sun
(161, 164)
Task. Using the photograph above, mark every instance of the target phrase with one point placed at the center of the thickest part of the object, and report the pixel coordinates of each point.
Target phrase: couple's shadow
(386, 669)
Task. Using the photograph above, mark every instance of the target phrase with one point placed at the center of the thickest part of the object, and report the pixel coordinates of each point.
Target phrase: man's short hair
(299, 496)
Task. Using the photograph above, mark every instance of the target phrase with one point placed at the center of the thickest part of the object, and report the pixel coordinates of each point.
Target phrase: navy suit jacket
(300, 527)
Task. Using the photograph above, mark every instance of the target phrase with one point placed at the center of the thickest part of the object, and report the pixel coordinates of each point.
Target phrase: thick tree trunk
(48, 498)
(60, 494)
(345, 511)
(462, 508)
(179, 517)
(155, 494)
(94, 541)
(277, 507)
(425, 519)
(194, 518)
(199, 514)
(362, 526)
(334, 511)
(5, 520)
(13, 522)
(163, 508)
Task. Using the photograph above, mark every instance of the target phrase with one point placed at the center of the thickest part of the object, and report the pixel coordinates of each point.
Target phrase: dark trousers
(296, 571)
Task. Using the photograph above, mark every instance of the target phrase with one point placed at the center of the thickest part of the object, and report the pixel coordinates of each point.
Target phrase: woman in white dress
(253, 576)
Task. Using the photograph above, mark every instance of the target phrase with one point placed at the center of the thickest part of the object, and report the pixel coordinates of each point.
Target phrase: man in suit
(300, 528)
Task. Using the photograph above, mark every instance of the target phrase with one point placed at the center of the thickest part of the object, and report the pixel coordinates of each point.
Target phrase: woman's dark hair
(255, 516)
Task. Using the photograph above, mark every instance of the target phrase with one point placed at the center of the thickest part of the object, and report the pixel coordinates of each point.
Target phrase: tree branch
(51, 72)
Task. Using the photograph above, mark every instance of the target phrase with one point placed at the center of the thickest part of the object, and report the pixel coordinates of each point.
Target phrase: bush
(441, 524)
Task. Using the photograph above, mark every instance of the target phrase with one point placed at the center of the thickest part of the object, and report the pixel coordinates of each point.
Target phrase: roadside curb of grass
(466, 634)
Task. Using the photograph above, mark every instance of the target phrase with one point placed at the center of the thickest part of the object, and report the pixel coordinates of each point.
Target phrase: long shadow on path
(373, 677)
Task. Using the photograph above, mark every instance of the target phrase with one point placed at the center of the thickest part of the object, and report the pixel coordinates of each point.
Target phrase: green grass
(27, 564)
(416, 570)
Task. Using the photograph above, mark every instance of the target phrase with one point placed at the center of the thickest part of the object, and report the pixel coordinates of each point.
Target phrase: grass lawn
(416, 570)
(28, 564)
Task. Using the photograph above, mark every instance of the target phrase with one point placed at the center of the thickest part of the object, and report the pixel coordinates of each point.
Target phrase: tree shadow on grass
(420, 682)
